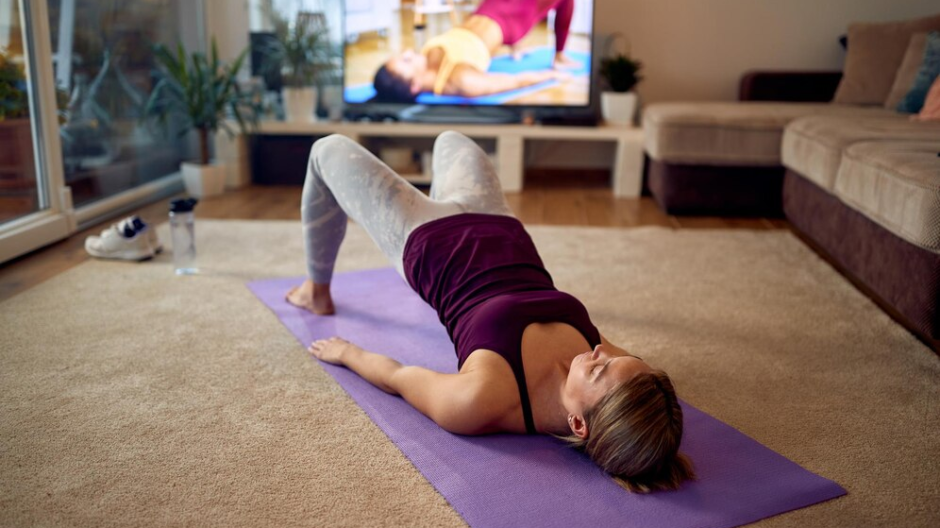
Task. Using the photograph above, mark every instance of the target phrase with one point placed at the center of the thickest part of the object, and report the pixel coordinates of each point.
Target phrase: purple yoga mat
(517, 480)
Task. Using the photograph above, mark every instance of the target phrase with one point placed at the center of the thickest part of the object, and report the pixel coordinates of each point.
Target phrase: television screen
(469, 52)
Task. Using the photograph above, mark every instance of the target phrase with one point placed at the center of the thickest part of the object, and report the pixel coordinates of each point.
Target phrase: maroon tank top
(487, 282)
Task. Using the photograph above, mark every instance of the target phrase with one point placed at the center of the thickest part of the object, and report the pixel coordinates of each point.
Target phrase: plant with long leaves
(302, 50)
(203, 92)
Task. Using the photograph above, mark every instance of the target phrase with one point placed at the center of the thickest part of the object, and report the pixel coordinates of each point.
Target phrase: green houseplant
(15, 133)
(199, 93)
(302, 51)
(621, 74)
(14, 103)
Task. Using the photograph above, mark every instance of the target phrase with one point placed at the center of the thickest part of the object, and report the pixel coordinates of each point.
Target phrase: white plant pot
(333, 101)
(618, 108)
(300, 104)
(204, 180)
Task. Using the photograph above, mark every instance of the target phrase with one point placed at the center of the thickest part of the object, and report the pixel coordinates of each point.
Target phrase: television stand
(483, 115)
(626, 169)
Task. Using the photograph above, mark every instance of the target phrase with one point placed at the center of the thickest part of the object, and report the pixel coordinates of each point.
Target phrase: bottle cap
(183, 205)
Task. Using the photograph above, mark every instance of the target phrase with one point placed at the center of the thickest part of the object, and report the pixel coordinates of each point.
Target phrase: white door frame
(56, 220)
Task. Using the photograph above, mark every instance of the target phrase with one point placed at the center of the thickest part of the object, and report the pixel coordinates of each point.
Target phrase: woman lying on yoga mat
(456, 62)
(465, 254)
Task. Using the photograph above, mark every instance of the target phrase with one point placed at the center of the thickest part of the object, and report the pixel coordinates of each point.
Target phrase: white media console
(626, 173)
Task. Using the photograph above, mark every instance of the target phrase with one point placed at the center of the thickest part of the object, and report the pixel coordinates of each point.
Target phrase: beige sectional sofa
(861, 185)
(734, 134)
(857, 180)
(725, 157)
(815, 146)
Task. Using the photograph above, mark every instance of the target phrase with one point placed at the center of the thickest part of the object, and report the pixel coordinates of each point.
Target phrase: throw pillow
(910, 65)
(931, 109)
(874, 55)
(929, 70)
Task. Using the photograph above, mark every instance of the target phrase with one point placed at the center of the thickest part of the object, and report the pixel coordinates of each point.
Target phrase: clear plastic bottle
(183, 235)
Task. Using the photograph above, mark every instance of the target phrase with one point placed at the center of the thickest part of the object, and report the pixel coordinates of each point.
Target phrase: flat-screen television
(469, 53)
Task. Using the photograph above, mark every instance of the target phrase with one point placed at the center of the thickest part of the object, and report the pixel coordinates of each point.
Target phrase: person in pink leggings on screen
(456, 61)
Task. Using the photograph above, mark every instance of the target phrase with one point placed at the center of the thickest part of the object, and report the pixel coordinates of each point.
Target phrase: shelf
(399, 129)
(626, 172)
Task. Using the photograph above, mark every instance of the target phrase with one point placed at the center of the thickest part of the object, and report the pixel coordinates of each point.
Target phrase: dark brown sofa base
(902, 278)
(713, 190)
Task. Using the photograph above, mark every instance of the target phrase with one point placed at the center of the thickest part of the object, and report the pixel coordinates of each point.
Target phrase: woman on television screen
(456, 61)
(529, 358)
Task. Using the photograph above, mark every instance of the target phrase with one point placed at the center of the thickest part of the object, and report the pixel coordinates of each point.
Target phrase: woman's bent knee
(331, 142)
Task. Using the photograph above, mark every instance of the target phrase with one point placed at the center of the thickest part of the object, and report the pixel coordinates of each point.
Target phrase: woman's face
(408, 65)
(594, 373)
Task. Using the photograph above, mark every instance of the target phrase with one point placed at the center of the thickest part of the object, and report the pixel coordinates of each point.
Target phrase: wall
(698, 49)
(227, 21)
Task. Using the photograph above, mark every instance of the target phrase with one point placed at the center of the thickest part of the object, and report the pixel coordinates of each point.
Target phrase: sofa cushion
(910, 65)
(931, 109)
(874, 54)
(813, 146)
(929, 70)
(741, 133)
(896, 184)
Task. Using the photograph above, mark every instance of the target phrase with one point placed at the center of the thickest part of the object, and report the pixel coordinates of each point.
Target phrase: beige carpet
(130, 397)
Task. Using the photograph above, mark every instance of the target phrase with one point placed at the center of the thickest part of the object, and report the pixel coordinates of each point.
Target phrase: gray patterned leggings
(343, 178)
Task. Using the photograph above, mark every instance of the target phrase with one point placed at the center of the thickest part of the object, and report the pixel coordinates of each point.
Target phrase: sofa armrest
(789, 86)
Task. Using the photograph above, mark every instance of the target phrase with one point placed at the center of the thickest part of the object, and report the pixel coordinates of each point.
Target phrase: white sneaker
(118, 242)
(138, 225)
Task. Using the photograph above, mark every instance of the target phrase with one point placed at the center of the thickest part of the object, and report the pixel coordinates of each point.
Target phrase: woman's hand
(332, 350)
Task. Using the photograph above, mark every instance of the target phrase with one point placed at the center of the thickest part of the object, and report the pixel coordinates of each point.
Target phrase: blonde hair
(634, 433)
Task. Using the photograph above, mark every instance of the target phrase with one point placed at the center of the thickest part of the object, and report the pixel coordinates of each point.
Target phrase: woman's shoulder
(494, 390)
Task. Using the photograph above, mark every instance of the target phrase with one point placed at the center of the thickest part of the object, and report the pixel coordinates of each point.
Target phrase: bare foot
(563, 62)
(312, 297)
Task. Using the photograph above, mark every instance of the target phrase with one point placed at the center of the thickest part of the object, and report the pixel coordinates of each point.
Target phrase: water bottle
(183, 235)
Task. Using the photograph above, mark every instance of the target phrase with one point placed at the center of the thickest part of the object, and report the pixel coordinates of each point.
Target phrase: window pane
(105, 69)
(19, 191)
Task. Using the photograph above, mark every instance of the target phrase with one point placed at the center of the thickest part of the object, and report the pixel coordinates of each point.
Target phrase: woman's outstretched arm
(450, 400)
(473, 83)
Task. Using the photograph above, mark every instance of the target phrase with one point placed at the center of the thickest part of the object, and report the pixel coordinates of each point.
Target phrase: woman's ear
(578, 426)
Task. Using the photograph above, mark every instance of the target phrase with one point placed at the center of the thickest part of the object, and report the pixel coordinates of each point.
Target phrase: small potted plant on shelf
(621, 74)
(201, 92)
(302, 51)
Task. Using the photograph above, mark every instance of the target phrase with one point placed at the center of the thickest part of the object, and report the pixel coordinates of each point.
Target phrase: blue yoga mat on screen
(535, 60)
(518, 480)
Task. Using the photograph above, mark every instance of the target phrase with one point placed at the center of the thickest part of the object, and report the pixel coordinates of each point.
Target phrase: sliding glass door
(34, 206)
(20, 194)
(105, 69)
(74, 76)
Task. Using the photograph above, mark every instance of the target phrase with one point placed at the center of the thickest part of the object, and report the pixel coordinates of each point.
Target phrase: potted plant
(201, 92)
(621, 73)
(301, 50)
(14, 115)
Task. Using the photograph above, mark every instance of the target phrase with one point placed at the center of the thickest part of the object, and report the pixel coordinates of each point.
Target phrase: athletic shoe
(120, 242)
(140, 226)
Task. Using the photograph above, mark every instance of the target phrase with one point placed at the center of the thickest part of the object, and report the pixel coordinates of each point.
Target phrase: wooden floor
(542, 202)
